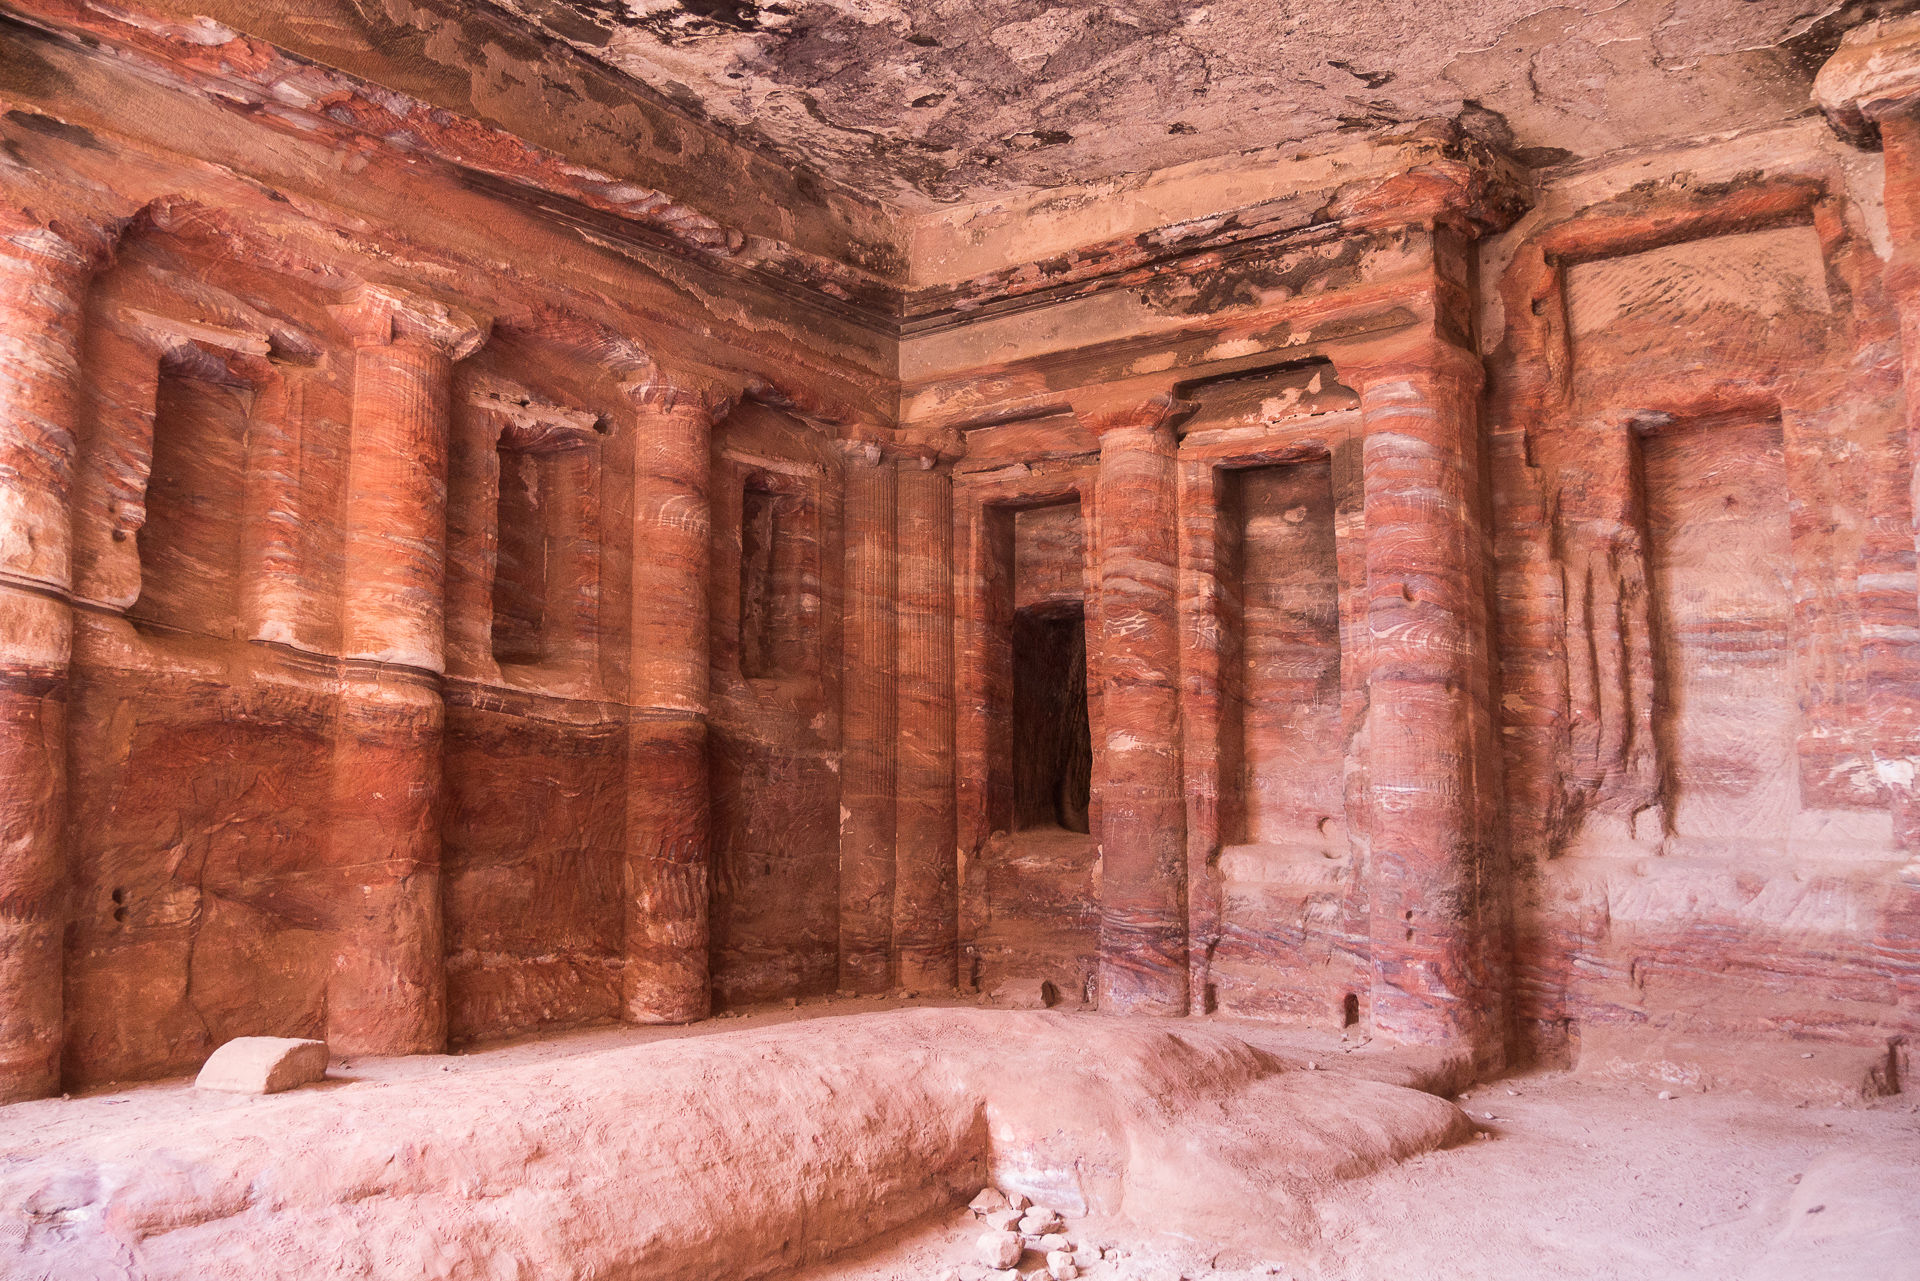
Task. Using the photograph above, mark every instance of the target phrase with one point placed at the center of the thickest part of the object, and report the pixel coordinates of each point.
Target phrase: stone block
(263, 1065)
(1025, 994)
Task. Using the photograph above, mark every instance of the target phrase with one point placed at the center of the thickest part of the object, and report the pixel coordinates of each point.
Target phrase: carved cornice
(379, 315)
(530, 426)
(1876, 70)
(1441, 177)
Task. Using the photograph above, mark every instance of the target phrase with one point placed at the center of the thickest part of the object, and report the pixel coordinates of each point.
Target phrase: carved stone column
(1429, 726)
(44, 276)
(869, 721)
(666, 979)
(1137, 764)
(387, 994)
(1871, 88)
(926, 906)
(275, 595)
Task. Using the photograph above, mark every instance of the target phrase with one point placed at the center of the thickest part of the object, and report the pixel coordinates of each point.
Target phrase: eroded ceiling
(924, 102)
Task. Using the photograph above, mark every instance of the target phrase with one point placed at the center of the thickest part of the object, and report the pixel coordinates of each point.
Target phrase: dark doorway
(1052, 741)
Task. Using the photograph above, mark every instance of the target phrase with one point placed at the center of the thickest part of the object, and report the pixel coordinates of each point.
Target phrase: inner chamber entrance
(1040, 909)
(1052, 739)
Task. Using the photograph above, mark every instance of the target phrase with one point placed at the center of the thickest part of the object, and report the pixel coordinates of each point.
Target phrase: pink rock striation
(461, 576)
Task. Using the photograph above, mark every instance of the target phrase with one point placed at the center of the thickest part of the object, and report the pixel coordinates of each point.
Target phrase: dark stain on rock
(1038, 138)
(1242, 282)
(1366, 123)
(48, 127)
(1372, 79)
(1490, 127)
(1541, 157)
(690, 21)
(21, 69)
(586, 22)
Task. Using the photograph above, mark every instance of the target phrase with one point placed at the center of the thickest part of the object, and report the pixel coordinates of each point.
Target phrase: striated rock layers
(730, 1155)
(482, 552)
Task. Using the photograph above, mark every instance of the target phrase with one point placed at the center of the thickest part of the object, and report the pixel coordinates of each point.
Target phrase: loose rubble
(1024, 1241)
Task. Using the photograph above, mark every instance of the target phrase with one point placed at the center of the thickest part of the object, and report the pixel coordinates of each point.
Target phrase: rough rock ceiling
(922, 102)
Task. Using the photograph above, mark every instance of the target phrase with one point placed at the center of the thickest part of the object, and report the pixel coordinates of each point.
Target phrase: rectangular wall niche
(1285, 685)
(189, 547)
(1289, 901)
(520, 572)
(1052, 740)
(546, 570)
(779, 577)
(1720, 566)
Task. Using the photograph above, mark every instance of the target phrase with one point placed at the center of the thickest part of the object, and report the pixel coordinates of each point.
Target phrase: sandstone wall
(452, 590)
(1707, 617)
(355, 516)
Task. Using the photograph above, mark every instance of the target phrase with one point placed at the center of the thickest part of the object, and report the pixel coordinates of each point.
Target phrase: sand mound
(730, 1155)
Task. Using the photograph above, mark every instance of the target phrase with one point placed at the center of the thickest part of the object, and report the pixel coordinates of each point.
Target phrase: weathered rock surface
(461, 576)
(263, 1065)
(999, 1249)
(705, 1157)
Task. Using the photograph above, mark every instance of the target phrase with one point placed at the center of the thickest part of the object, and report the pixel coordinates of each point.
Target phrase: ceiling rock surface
(938, 101)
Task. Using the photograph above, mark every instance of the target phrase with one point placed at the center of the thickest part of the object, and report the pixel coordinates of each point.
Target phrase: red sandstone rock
(263, 1065)
(727, 1155)
(1143, 865)
(679, 642)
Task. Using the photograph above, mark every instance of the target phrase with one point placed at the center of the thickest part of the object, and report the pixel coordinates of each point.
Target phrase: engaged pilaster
(666, 979)
(926, 905)
(388, 991)
(1429, 723)
(1871, 87)
(869, 720)
(44, 277)
(1137, 766)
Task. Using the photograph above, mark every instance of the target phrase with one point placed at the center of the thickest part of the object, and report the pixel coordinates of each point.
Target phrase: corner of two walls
(1561, 719)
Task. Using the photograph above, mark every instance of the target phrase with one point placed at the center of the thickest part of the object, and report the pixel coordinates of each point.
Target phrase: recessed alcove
(189, 545)
(1720, 575)
(520, 569)
(1285, 871)
(1052, 743)
(779, 538)
(1287, 682)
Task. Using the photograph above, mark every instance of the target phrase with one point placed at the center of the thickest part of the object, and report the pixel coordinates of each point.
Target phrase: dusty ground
(1577, 1178)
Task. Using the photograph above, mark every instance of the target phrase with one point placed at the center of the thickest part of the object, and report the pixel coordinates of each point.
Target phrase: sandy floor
(1577, 1178)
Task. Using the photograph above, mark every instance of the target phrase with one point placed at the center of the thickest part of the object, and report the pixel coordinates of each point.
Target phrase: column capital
(1874, 73)
(1103, 411)
(381, 316)
(530, 425)
(863, 451)
(1425, 357)
(82, 243)
(927, 448)
(684, 392)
